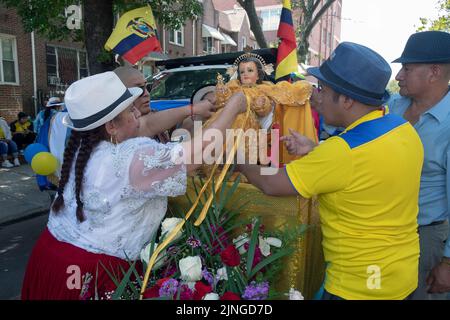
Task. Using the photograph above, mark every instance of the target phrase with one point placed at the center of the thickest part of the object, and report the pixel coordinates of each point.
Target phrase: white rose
(240, 241)
(168, 225)
(211, 296)
(191, 268)
(295, 295)
(265, 243)
(222, 274)
(145, 256)
(274, 242)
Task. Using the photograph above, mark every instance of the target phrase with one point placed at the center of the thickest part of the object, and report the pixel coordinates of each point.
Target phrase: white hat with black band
(95, 100)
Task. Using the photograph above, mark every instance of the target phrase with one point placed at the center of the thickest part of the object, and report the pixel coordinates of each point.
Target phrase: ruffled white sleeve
(158, 170)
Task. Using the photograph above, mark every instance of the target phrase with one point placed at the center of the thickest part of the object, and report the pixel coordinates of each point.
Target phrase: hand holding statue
(205, 109)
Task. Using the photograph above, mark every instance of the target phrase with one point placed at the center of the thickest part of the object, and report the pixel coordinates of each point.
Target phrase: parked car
(179, 78)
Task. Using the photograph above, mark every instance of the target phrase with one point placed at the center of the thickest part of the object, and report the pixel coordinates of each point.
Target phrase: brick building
(224, 27)
(32, 67)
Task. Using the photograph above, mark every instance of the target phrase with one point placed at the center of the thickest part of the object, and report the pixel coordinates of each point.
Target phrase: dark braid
(47, 113)
(85, 142)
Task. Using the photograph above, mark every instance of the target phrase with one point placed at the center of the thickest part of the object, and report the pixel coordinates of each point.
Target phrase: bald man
(424, 100)
(155, 123)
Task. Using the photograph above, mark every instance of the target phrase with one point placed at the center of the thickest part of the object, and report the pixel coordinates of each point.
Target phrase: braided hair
(259, 68)
(83, 142)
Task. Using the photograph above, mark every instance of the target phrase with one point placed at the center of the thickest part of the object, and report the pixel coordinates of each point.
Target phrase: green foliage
(442, 23)
(220, 226)
(47, 16)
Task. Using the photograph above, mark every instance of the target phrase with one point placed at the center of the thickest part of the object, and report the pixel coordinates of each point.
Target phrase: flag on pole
(287, 49)
(134, 35)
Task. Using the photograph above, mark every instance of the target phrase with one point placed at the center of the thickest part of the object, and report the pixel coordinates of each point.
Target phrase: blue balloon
(32, 150)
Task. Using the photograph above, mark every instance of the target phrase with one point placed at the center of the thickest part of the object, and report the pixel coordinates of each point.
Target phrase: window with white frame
(9, 70)
(271, 19)
(208, 45)
(177, 37)
(65, 65)
(244, 43)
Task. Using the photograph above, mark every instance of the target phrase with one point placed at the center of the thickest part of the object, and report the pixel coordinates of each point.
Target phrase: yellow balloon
(44, 163)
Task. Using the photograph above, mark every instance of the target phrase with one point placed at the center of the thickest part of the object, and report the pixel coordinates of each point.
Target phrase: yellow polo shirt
(368, 181)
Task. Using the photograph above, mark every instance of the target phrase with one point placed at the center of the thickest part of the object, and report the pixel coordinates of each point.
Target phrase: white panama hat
(53, 102)
(95, 100)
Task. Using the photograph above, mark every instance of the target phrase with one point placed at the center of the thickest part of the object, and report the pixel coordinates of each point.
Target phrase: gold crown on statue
(268, 68)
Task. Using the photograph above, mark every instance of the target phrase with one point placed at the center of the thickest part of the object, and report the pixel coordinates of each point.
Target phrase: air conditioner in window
(212, 50)
(54, 80)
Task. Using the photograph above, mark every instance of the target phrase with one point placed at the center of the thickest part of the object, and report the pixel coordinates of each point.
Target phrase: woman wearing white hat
(51, 107)
(112, 193)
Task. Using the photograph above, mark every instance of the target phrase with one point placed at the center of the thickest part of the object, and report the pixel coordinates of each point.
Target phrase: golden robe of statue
(289, 103)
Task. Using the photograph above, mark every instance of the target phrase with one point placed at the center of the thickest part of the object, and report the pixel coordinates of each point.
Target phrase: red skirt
(61, 271)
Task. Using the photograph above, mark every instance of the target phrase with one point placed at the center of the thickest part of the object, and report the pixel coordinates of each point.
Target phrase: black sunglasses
(147, 86)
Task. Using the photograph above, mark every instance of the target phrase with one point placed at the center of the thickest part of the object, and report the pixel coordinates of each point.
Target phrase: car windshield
(182, 84)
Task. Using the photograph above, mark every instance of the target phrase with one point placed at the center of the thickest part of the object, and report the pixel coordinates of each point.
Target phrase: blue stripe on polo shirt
(371, 130)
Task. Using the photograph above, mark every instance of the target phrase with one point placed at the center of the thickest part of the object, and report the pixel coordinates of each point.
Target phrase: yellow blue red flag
(134, 35)
(287, 49)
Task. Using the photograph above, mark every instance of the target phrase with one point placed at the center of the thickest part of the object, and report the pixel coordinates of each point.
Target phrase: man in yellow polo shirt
(367, 180)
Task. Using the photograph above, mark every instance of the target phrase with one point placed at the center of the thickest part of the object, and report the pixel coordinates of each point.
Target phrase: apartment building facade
(32, 67)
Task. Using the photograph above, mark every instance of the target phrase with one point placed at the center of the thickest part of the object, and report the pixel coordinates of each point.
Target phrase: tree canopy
(311, 12)
(442, 23)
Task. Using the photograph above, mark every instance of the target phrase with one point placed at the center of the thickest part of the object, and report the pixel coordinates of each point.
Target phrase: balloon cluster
(41, 160)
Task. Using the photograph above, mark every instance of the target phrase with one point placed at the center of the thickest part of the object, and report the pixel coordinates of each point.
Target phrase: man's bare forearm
(155, 123)
(275, 184)
(222, 123)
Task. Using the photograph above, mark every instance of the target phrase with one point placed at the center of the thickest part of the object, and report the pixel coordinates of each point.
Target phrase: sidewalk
(19, 194)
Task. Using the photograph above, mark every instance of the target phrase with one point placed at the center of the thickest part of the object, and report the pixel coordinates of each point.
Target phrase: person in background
(424, 101)
(52, 106)
(22, 131)
(157, 124)
(7, 146)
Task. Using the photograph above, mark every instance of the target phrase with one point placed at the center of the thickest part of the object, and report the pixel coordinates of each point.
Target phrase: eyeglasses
(146, 86)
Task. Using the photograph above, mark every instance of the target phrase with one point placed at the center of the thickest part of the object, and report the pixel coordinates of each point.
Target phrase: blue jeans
(7, 146)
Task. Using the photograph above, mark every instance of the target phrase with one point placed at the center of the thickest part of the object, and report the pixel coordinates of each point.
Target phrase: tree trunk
(98, 25)
(255, 25)
(309, 21)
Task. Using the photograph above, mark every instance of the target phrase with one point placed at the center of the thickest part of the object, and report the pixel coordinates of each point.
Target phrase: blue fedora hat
(426, 47)
(357, 72)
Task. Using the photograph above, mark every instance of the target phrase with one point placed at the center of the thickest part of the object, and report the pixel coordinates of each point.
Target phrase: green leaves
(442, 23)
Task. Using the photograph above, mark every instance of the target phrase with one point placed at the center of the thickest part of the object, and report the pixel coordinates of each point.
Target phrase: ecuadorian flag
(287, 49)
(134, 35)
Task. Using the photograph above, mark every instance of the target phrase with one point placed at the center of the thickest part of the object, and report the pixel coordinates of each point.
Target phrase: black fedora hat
(357, 72)
(426, 47)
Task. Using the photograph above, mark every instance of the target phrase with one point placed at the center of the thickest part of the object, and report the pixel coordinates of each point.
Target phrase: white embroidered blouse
(125, 190)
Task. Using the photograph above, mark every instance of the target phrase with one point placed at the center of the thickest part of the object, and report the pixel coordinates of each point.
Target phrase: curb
(24, 218)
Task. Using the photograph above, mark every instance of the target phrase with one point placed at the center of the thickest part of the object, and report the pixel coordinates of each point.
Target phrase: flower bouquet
(225, 258)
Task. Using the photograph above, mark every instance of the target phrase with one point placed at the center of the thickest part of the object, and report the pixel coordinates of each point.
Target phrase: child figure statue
(282, 106)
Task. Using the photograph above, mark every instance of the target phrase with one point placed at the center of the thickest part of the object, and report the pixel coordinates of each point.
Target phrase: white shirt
(125, 190)
(57, 139)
